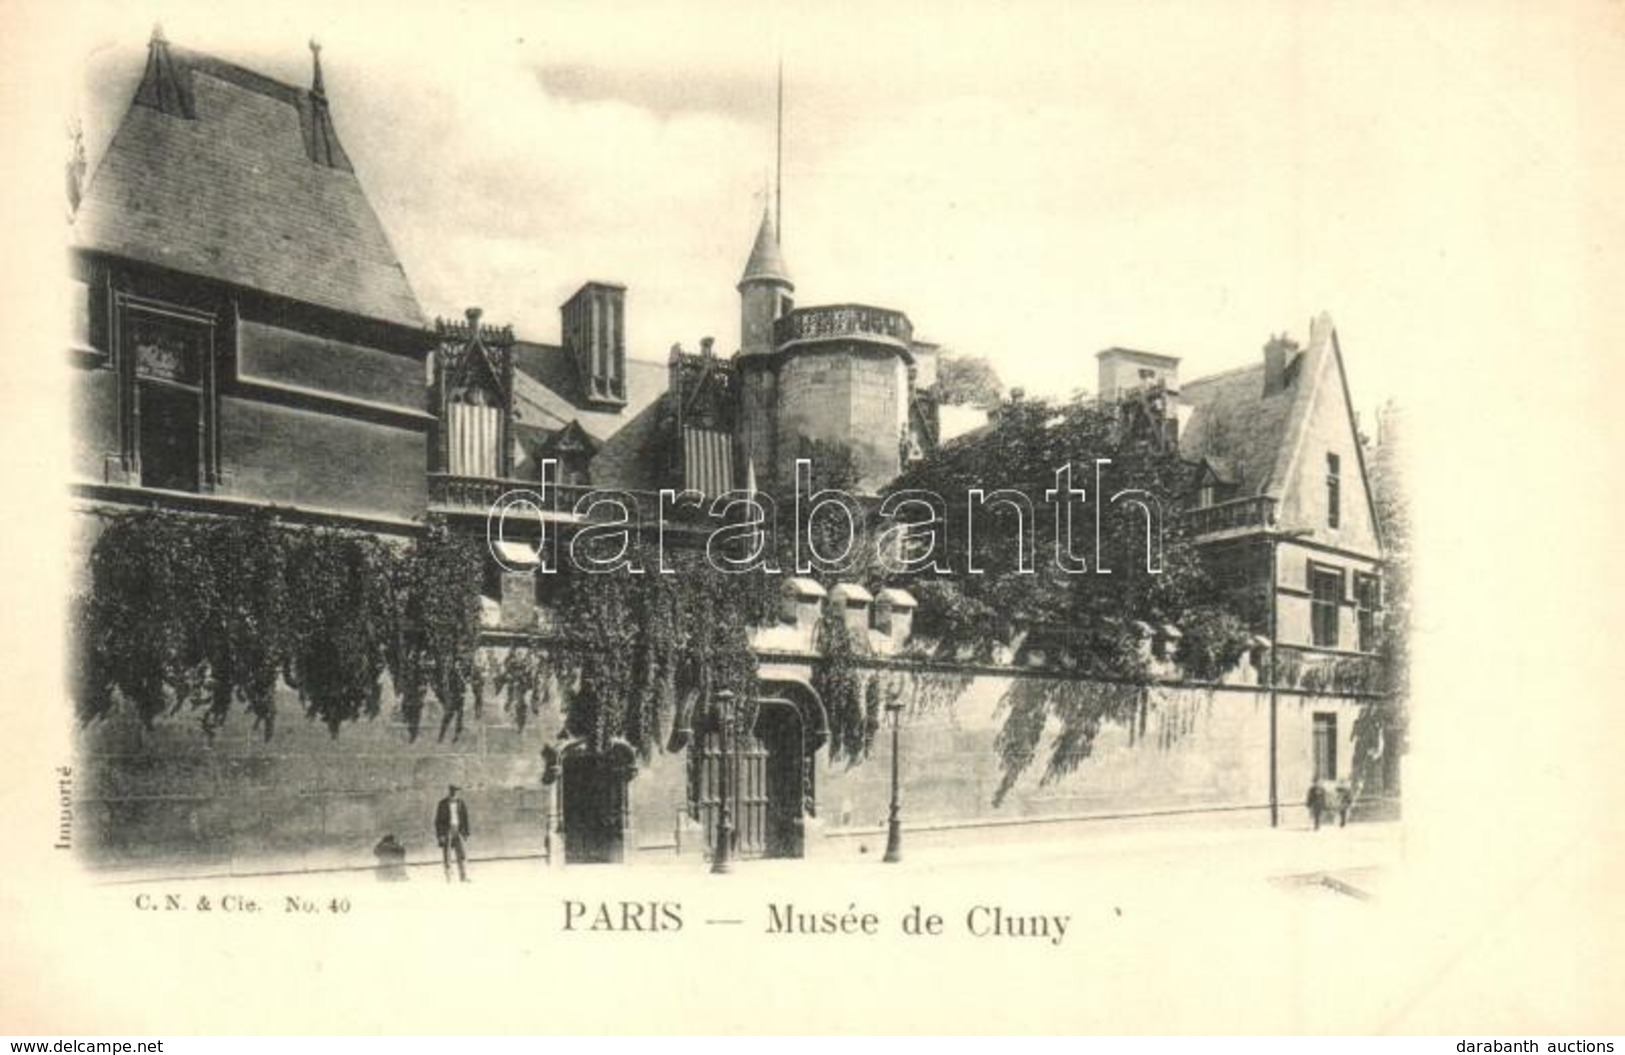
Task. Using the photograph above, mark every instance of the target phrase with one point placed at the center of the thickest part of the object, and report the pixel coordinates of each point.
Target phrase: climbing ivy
(436, 636)
(192, 614)
(853, 715)
(1079, 709)
(633, 656)
(1213, 641)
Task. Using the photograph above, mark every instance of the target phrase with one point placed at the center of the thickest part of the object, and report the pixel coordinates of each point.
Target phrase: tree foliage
(1382, 727)
(1084, 619)
(968, 380)
(1213, 641)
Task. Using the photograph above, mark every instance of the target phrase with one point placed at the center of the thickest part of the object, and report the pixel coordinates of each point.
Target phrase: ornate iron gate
(746, 769)
(768, 783)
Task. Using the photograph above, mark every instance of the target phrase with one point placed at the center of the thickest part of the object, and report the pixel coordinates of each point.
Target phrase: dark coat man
(1316, 801)
(451, 830)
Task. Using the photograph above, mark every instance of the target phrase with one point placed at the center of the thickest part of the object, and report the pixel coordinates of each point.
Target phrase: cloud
(666, 91)
(1029, 183)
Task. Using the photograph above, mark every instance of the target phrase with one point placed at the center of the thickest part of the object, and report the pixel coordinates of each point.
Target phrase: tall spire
(766, 262)
(316, 87)
(778, 159)
(322, 143)
(162, 86)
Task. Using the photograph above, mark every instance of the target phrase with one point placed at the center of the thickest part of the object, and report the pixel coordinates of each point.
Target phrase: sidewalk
(1115, 854)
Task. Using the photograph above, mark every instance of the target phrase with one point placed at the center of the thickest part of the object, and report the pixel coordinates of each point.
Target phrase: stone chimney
(592, 325)
(1281, 357)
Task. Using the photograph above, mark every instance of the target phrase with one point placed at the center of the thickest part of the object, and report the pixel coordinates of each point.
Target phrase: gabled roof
(220, 172)
(1232, 419)
(766, 258)
(544, 391)
(1216, 468)
(572, 439)
(1254, 436)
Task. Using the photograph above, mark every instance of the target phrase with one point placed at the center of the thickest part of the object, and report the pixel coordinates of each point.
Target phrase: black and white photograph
(811, 519)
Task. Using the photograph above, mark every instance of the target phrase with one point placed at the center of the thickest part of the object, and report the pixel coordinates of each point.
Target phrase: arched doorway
(595, 802)
(769, 771)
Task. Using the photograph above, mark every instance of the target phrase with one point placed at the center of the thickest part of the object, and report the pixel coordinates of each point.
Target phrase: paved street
(1215, 849)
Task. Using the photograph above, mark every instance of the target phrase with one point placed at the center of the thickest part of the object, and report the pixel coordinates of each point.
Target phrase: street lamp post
(1275, 538)
(720, 859)
(1275, 703)
(894, 825)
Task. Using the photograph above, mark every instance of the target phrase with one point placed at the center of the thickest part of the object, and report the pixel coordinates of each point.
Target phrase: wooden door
(764, 786)
(595, 809)
(746, 788)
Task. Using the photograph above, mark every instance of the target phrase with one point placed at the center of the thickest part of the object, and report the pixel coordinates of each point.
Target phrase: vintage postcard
(793, 518)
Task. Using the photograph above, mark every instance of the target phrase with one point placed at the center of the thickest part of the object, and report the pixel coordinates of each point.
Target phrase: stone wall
(1197, 750)
(845, 392)
(173, 796)
(759, 400)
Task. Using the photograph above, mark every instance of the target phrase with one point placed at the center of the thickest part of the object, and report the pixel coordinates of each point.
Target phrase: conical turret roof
(766, 262)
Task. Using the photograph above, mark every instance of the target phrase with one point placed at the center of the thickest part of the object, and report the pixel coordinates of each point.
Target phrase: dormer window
(474, 371)
(475, 434)
(566, 457)
(1211, 486)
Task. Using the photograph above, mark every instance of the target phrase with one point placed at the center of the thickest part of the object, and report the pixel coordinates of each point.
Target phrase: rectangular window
(1325, 599)
(170, 436)
(166, 385)
(1325, 746)
(1367, 603)
(476, 433)
(1334, 490)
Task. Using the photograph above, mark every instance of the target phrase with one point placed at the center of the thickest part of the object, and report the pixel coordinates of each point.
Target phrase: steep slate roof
(766, 258)
(1232, 419)
(544, 391)
(1251, 435)
(214, 171)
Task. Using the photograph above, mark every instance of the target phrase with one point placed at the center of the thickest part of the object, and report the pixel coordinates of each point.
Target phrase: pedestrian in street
(1316, 802)
(1345, 800)
(451, 829)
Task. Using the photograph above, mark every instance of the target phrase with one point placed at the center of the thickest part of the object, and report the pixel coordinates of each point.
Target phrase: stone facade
(217, 371)
(848, 394)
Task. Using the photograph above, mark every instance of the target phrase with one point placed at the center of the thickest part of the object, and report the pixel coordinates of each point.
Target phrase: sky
(1030, 182)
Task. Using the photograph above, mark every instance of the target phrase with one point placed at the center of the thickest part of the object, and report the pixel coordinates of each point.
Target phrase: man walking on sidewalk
(451, 829)
(1316, 802)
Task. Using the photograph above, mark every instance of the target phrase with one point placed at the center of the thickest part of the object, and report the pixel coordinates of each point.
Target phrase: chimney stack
(1280, 363)
(593, 327)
